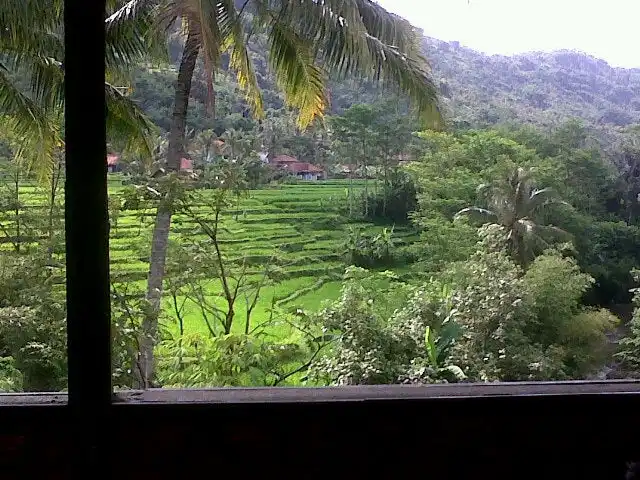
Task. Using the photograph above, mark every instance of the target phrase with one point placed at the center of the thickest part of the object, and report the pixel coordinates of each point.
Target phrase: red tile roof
(186, 164)
(300, 167)
(284, 159)
(292, 165)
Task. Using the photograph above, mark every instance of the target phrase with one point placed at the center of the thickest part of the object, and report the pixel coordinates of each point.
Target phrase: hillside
(478, 90)
(540, 88)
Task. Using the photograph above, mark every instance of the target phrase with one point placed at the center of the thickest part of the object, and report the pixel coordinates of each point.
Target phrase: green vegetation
(298, 229)
(485, 251)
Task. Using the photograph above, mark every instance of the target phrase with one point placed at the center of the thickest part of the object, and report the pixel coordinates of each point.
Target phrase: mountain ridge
(478, 90)
(528, 53)
(544, 88)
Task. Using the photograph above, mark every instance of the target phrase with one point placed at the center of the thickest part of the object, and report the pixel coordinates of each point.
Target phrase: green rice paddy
(302, 222)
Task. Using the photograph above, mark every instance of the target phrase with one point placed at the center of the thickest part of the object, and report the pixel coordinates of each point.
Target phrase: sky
(605, 29)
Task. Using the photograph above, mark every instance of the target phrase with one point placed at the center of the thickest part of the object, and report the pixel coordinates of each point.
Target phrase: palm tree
(512, 204)
(306, 40)
(32, 80)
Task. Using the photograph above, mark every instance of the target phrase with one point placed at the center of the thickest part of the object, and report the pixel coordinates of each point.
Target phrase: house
(302, 170)
(113, 163)
(282, 160)
(305, 171)
(186, 165)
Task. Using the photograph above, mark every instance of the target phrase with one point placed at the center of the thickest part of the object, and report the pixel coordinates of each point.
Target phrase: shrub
(526, 327)
(554, 288)
(223, 361)
(36, 341)
(629, 353)
(367, 349)
(369, 250)
(393, 203)
(33, 321)
(488, 301)
(443, 241)
(387, 332)
(585, 341)
(10, 377)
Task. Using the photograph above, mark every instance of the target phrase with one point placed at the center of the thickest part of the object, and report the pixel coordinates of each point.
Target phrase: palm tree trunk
(385, 193)
(366, 177)
(160, 240)
(55, 179)
(16, 212)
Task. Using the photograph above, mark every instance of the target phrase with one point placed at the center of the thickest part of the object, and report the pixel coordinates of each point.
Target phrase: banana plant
(438, 347)
(384, 243)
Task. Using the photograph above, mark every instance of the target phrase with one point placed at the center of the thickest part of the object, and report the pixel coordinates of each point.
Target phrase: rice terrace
(299, 229)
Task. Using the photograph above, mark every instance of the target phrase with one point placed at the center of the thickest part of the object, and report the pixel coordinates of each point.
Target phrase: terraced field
(302, 222)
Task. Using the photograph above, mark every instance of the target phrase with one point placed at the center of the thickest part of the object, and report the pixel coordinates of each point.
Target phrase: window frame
(91, 405)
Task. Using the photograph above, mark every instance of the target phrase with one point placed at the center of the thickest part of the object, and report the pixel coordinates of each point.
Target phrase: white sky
(605, 29)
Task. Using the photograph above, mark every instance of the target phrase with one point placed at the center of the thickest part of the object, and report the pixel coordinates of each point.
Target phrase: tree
(356, 139)
(373, 138)
(512, 203)
(233, 276)
(32, 80)
(353, 37)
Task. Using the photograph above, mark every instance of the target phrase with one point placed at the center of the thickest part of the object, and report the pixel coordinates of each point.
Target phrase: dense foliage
(497, 249)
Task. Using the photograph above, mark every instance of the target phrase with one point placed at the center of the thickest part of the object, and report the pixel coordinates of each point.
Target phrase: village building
(301, 170)
(113, 163)
(186, 165)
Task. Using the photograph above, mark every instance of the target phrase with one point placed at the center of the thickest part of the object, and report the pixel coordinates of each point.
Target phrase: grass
(301, 223)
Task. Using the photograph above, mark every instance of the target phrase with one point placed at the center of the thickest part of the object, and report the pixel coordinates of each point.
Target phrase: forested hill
(541, 88)
(544, 89)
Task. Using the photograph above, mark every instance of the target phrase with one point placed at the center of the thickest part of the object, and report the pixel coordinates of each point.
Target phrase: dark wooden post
(87, 231)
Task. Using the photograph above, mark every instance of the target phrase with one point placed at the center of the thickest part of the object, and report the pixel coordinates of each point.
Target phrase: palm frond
(553, 233)
(336, 30)
(241, 63)
(412, 77)
(209, 21)
(390, 29)
(524, 227)
(46, 81)
(542, 197)
(477, 214)
(45, 75)
(132, 32)
(32, 48)
(291, 59)
(358, 37)
(48, 43)
(21, 18)
(36, 53)
(211, 24)
(126, 122)
(29, 117)
(35, 151)
(537, 238)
